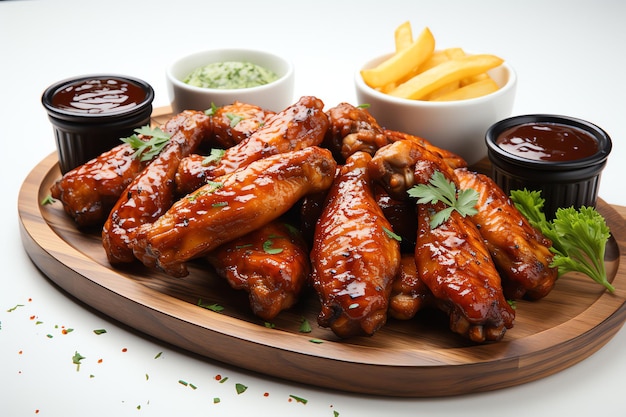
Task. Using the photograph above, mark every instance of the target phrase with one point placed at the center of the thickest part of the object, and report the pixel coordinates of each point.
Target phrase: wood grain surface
(416, 358)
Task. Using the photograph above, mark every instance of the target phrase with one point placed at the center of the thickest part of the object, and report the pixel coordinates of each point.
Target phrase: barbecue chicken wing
(151, 193)
(354, 256)
(520, 252)
(271, 264)
(455, 264)
(452, 159)
(402, 164)
(232, 206)
(235, 122)
(89, 192)
(298, 126)
(409, 294)
(352, 129)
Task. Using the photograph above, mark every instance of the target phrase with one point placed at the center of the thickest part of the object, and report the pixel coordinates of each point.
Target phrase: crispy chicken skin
(352, 129)
(89, 192)
(452, 159)
(452, 259)
(402, 164)
(298, 126)
(235, 122)
(235, 205)
(409, 294)
(520, 252)
(271, 264)
(354, 258)
(455, 264)
(151, 193)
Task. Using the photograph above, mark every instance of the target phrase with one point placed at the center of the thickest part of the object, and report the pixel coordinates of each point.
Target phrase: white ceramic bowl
(458, 126)
(275, 96)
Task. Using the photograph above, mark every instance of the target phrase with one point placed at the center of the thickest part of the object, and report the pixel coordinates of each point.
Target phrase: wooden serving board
(416, 358)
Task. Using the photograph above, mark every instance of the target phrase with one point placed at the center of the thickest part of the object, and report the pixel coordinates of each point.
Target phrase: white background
(569, 57)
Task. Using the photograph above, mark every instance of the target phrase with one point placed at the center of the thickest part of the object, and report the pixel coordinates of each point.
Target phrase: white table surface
(570, 59)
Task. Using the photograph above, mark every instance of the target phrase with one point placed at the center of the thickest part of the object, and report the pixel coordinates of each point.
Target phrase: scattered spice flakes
(66, 331)
(124, 350)
(99, 331)
(299, 399)
(12, 309)
(240, 388)
(181, 382)
(335, 413)
(158, 355)
(49, 336)
(216, 400)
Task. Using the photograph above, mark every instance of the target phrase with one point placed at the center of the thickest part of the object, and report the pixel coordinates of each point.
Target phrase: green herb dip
(230, 75)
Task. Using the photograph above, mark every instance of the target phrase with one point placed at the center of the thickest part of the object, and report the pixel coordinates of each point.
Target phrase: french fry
(447, 72)
(402, 63)
(403, 36)
(476, 89)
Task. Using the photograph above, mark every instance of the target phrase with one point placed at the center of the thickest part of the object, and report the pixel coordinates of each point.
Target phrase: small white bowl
(458, 126)
(274, 96)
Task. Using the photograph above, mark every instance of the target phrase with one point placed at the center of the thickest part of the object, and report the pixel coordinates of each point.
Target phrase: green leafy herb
(268, 245)
(299, 399)
(392, 235)
(305, 326)
(234, 119)
(440, 189)
(99, 331)
(214, 157)
(76, 360)
(158, 355)
(213, 307)
(269, 325)
(240, 388)
(316, 341)
(15, 308)
(363, 106)
(578, 237)
(145, 150)
(47, 200)
(212, 110)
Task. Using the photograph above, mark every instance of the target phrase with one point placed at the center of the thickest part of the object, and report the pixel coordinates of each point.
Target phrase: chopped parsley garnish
(234, 119)
(240, 388)
(268, 245)
(392, 235)
(48, 200)
(214, 157)
(76, 360)
(145, 150)
(99, 331)
(440, 189)
(213, 307)
(305, 326)
(212, 110)
(299, 399)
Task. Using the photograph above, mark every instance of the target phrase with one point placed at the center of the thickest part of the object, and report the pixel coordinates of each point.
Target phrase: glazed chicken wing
(452, 159)
(231, 207)
(455, 264)
(151, 193)
(353, 129)
(235, 122)
(298, 126)
(409, 294)
(89, 192)
(354, 256)
(270, 263)
(520, 252)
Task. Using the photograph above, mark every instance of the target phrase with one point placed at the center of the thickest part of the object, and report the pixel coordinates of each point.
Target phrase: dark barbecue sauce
(99, 95)
(548, 142)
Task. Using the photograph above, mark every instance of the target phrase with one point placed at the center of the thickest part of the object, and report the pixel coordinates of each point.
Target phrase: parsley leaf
(439, 189)
(578, 237)
(214, 157)
(145, 150)
(234, 119)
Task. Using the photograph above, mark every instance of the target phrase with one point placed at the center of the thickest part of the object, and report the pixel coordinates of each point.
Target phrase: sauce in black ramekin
(91, 113)
(562, 157)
